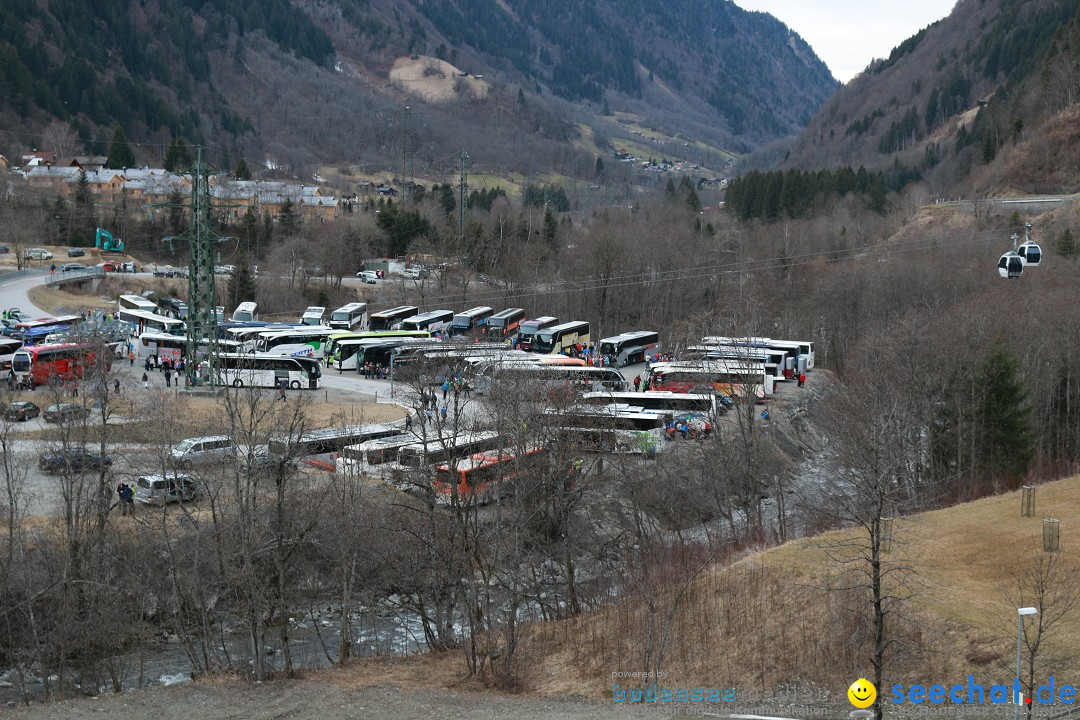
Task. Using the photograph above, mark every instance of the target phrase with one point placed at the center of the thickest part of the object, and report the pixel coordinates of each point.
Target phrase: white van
(162, 489)
(203, 449)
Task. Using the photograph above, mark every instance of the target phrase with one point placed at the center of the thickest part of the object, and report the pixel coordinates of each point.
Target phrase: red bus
(477, 477)
(44, 363)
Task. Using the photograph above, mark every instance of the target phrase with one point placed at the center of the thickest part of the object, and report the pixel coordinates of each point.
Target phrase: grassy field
(786, 614)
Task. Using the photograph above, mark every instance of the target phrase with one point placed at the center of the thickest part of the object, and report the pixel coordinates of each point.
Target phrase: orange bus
(476, 479)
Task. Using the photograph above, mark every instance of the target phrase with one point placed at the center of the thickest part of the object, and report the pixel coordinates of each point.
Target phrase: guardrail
(62, 275)
(25, 272)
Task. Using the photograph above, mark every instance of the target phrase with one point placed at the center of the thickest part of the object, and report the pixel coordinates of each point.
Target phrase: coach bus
(329, 440)
(172, 307)
(477, 478)
(8, 346)
(161, 346)
(308, 341)
(31, 331)
(802, 352)
(577, 378)
(353, 316)
(558, 338)
(44, 363)
(245, 312)
(142, 321)
(432, 321)
(332, 342)
(630, 347)
(472, 319)
(743, 379)
(412, 450)
(268, 371)
(654, 401)
(504, 324)
(527, 330)
(136, 302)
(608, 429)
(388, 319)
(354, 353)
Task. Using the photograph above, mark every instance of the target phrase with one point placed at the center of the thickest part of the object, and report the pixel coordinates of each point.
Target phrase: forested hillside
(232, 73)
(960, 104)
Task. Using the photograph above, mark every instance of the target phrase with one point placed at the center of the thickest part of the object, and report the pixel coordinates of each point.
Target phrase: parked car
(76, 252)
(203, 449)
(368, 276)
(163, 489)
(65, 412)
(4, 249)
(74, 460)
(68, 267)
(37, 254)
(21, 411)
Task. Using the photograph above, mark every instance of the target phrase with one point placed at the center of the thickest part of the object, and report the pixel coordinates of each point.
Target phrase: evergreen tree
(249, 228)
(242, 172)
(1008, 435)
(120, 154)
(447, 201)
(599, 167)
(242, 286)
(85, 222)
(550, 231)
(287, 219)
(1066, 246)
(692, 199)
(178, 157)
(670, 189)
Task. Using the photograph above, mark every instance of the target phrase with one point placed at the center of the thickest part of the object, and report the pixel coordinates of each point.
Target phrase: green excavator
(107, 243)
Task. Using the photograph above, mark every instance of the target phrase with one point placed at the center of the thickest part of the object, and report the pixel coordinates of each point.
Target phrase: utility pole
(406, 175)
(463, 188)
(202, 296)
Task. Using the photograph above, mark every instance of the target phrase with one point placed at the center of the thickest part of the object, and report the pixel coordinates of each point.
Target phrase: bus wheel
(237, 383)
(295, 384)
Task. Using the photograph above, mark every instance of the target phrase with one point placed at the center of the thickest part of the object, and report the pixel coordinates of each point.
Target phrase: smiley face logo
(862, 693)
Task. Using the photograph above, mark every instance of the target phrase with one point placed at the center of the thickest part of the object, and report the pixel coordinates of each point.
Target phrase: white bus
(268, 371)
(8, 346)
(671, 402)
(136, 302)
(630, 347)
(574, 377)
(433, 321)
(350, 317)
(608, 429)
(801, 351)
(557, 338)
(527, 330)
(468, 320)
(738, 378)
(142, 321)
(389, 319)
(313, 316)
(413, 450)
(307, 342)
(783, 361)
(245, 312)
(161, 346)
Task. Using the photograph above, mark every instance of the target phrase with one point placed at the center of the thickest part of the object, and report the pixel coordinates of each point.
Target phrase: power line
(705, 271)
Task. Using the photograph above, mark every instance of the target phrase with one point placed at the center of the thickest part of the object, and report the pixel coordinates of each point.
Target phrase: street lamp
(1020, 613)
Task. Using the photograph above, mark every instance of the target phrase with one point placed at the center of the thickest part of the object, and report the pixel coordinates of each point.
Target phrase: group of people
(126, 493)
(376, 371)
(167, 366)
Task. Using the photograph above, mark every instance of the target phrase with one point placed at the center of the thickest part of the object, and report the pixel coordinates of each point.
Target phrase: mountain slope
(301, 80)
(958, 99)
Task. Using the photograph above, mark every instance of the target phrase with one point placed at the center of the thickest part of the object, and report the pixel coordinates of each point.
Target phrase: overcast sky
(848, 34)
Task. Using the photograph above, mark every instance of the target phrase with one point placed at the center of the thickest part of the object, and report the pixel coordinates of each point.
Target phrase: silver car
(164, 489)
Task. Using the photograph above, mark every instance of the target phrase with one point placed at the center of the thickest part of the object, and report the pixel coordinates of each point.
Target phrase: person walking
(445, 388)
(120, 492)
(145, 380)
(408, 422)
(284, 384)
(802, 379)
(116, 386)
(637, 383)
(129, 499)
(168, 378)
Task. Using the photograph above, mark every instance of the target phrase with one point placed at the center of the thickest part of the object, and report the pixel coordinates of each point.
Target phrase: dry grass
(770, 617)
(434, 80)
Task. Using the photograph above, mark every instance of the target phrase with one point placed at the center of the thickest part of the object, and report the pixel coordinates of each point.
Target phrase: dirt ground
(330, 695)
